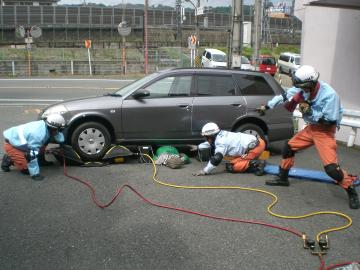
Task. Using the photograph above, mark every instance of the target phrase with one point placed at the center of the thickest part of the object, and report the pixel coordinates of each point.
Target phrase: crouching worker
(25, 144)
(322, 111)
(244, 149)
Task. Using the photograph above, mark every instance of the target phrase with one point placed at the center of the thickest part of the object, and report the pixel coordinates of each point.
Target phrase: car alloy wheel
(91, 140)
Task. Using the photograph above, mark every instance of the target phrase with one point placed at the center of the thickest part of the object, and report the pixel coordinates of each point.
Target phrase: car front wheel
(252, 129)
(91, 141)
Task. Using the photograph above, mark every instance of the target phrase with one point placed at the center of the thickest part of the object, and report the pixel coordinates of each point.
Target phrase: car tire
(252, 129)
(91, 140)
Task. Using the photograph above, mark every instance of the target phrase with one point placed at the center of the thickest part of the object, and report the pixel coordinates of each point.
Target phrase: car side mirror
(141, 93)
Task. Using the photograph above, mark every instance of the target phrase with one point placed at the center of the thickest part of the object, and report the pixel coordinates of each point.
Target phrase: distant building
(29, 2)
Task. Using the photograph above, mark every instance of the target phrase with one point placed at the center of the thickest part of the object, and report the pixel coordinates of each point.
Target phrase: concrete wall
(331, 43)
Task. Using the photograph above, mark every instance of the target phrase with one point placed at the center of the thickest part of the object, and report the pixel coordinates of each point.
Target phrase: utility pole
(257, 32)
(197, 29)
(146, 37)
(237, 33)
(197, 24)
(178, 20)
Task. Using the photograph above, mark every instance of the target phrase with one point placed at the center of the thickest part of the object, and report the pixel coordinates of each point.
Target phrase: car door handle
(236, 105)
(184, 106)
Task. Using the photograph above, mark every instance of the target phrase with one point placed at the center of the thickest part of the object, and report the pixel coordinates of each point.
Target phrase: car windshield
(244, 60)
(268, 61)
(134, 85)
(219, 57)
(297, 60)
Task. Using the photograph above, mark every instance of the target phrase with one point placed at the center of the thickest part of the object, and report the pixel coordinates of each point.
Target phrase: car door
(207, 60)
(258, 90)
(165, 114)
(216, 100)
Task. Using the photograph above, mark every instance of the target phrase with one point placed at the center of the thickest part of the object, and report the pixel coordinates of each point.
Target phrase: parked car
(267, 64)
(213, 58)
(288, 62)
(170, 107)
(245, 64)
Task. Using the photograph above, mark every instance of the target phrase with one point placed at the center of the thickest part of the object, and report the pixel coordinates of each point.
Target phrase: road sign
(35, 31)
(192, 42)
(20, 31)
(123, 29)
(88, 43)
(199, 11)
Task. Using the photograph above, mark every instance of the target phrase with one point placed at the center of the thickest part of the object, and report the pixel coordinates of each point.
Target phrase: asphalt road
(55, 225)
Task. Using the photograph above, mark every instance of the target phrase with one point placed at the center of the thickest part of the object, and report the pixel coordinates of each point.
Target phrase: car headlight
(60, 109)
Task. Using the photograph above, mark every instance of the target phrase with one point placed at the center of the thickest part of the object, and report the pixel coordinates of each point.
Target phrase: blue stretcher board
(305, 174)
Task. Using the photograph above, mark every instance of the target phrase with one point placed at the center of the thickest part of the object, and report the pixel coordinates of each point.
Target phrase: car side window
(170, 87)
(208, 55)
(252, 85)
(215, 85)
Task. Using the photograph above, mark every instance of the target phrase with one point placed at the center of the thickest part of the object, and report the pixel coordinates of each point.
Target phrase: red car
(267, 64)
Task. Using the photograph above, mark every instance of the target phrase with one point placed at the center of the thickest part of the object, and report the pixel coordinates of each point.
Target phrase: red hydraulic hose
(117, 194)
(102, 206)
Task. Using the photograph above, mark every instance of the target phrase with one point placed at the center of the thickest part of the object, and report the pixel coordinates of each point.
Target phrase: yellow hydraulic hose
(269, 207)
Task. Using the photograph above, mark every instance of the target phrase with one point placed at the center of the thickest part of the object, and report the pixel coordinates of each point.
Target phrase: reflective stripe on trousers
(241, 164)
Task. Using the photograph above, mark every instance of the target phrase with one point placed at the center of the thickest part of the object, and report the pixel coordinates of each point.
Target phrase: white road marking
(29, 100)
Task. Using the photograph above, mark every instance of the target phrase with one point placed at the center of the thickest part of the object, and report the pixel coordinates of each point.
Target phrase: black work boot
(353, 197)
(6, 163)
(257, 167)
(281, 180)
(229, 168)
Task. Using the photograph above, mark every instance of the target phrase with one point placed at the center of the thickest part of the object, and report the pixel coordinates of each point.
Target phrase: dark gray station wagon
(170, 107)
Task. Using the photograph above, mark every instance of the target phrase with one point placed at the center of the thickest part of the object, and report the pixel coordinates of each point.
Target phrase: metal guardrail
(351, 118)
(81, 67)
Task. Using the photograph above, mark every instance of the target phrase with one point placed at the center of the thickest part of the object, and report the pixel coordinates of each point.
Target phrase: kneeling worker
(26, 143)
(243, 148)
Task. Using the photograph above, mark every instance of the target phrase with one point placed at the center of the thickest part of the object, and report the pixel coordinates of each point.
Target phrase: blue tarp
(306, 174)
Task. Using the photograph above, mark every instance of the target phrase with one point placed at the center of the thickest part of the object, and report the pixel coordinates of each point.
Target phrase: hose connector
(324, 243)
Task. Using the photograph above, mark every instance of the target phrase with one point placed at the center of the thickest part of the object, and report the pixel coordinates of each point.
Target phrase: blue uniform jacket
(326, 104)
(229, 144)
(30, 137)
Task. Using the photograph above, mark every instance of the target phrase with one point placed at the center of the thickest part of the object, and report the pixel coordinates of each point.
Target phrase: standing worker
(243, 148)
(322, 111)
(26, 143)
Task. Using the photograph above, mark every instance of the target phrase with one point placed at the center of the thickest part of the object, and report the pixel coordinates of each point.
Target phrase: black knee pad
(287, 152)
(333, 170)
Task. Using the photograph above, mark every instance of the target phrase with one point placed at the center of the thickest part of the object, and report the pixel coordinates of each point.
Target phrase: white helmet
(210, 129)
(56, 121)
(305, 77)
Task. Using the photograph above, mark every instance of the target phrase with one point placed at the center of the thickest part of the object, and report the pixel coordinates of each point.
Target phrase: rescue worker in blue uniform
(322, 111)
(24, 144)
(243, 150)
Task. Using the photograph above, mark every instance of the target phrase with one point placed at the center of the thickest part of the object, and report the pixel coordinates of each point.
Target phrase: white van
(213, 58)
(288, 62)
